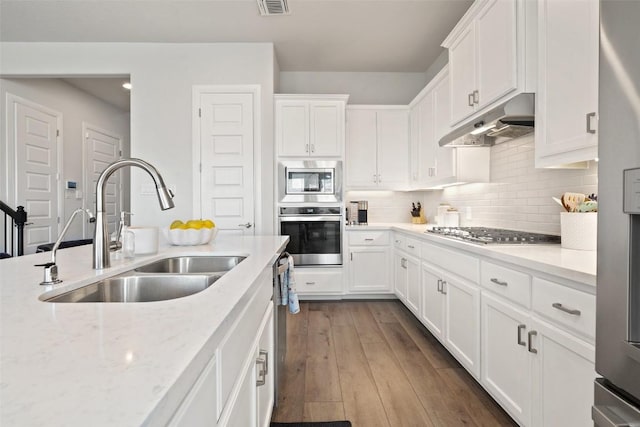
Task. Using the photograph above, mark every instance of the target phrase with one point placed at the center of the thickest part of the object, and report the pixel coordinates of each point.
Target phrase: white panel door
(369, 269)
(432, 303)
(563, 373)
(393, 148)
(37, 177)
(462, 333)
(227, 177)
(101, 148)
(292, 128)
(505, 359)
(361, 149)
(325, 128)
(497, 61)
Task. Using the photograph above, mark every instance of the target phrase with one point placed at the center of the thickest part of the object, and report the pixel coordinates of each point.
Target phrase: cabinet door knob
(521, 328)
(306, 148)
(589, 117)
(313, 148)
(530, 336)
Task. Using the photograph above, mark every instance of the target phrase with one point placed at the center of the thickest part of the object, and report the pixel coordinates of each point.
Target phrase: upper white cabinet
(377, 153)
(567, 96)
(431, 165)
(310, 125)
(490, 55)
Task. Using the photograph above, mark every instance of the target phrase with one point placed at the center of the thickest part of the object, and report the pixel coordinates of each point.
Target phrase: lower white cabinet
(368, 261)
(451, 310)
(318, 281)
(563, 374)
(265, 371)
(407, 284)
(399, 276)
(505, 359)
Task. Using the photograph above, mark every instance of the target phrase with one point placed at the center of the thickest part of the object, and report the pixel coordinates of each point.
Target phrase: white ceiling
(109, 90)
(318, 35)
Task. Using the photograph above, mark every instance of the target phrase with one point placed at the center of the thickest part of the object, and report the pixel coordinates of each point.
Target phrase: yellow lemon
(183, 226)
(176, 224)
(207, 223)
(195, 223)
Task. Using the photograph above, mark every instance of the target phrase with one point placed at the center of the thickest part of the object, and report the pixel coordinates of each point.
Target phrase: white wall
(519, 195)
(387, 206)
(162, 76)
(76, 107)
(362, 88)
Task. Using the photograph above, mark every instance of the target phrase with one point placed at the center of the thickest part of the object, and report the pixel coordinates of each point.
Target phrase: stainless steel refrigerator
(617, 393)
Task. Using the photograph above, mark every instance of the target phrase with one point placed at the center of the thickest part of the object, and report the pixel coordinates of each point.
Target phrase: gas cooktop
(483, 235)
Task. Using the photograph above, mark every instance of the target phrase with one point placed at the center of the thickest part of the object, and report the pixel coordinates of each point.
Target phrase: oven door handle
(311, 218)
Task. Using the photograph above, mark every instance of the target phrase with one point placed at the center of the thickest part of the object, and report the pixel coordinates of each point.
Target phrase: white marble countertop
(111, 364)
(579, 266)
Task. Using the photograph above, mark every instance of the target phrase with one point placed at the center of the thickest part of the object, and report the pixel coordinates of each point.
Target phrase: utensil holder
(579, 230)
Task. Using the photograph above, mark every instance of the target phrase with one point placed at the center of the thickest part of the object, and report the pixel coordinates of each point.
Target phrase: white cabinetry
(310, 125)
(227, 393)
(368, 261)
(377, 152)
(406, 266)
(489, 55)
(567, 95)
(318, 281)
(431, 165)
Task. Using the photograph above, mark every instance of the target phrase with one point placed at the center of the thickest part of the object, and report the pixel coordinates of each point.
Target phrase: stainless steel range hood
(513, 119)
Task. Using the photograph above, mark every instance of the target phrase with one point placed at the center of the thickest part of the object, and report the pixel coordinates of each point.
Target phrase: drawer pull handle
(531, 334)
(411, 246)
(444, 282)
(310, 283)
(265, 354)
(498, 282)
(368, 240)
(262, 371)
(521, 328)
(571, 311)
(440, 285)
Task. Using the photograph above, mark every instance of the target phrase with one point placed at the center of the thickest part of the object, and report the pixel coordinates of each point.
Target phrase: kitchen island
(115, 364)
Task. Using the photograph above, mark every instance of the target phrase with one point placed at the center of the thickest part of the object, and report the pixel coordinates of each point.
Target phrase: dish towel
(288, 295)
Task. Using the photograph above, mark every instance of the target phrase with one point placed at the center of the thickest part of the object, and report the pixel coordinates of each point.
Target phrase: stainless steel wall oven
(315, 234)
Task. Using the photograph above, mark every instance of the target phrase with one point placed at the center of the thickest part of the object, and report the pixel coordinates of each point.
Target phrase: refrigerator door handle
(603, 416)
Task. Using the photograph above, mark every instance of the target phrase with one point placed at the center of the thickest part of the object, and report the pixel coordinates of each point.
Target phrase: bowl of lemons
(192, 232)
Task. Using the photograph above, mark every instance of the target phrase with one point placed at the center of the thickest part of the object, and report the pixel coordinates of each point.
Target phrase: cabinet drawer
(412, 246)
(399, 241)
(373, 238)
(458, 263)
(318, 282)
(567, 307)
(511, 284)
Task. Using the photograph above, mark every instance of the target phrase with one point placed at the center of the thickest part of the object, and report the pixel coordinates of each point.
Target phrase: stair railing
(18, 220)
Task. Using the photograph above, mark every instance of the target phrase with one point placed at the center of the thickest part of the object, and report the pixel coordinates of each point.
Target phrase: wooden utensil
(571, 201)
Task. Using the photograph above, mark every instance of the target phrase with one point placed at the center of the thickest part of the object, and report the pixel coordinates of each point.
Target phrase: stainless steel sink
(192, 264)
(139, 288)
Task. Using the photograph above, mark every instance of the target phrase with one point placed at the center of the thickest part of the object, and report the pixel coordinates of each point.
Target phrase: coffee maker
(363, 207)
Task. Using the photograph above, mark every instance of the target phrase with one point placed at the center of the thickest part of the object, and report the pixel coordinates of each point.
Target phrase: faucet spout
(101, 257)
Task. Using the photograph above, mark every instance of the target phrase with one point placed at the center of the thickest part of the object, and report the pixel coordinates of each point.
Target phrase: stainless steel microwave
(310, 181)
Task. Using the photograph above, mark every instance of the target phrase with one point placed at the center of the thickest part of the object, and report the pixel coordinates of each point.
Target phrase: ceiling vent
(273, 7)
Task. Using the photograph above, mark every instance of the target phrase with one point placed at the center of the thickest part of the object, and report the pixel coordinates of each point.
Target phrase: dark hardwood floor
(374, 364)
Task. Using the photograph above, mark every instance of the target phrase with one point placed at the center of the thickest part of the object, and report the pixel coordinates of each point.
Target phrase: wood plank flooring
(374, 364)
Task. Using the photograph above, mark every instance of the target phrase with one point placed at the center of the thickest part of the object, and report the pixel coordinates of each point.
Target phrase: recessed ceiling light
(126, 85)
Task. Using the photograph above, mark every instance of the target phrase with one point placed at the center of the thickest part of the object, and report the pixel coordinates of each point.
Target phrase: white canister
(441, 214)
(452, 219)
(579, 230)
(146, 240)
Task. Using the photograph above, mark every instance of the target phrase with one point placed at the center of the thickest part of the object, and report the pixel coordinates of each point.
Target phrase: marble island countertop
(579, 266)
(116, 364)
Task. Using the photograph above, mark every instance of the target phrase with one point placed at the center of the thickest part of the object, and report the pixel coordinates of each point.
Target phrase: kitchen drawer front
(399, 241)
(412, 246)
(512, 285)
(463, 265)
(370, 238)
(318, 282)
(236, 345)
(565, 306)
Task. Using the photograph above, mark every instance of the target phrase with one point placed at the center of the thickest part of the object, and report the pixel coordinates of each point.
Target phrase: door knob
(247, 225)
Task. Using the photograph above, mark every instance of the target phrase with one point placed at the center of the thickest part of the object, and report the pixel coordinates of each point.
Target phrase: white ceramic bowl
(191, 236)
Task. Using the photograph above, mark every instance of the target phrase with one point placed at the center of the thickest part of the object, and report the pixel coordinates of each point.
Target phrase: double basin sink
(161, 280)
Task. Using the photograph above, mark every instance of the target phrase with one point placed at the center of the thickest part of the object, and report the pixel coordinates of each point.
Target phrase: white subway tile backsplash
(519, 195)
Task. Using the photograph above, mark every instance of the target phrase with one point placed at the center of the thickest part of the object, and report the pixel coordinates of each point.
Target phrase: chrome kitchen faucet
(101, 257)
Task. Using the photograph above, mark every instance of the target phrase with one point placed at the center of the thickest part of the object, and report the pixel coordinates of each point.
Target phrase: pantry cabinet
(433, 166)
(490, 56)
(567, 107)
(377, 152)
(310, 125)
